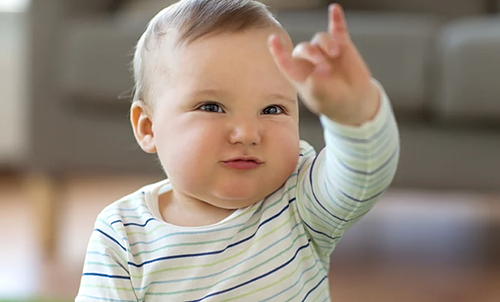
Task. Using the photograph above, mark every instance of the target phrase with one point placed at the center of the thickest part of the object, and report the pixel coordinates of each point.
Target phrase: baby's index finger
(275, 44)
(337, 23)
(295, 69)
(282, 57)
(278, 50)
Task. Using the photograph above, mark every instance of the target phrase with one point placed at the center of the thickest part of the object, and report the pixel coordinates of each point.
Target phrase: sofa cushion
(468, 70)
(395, 46)
(95, 56)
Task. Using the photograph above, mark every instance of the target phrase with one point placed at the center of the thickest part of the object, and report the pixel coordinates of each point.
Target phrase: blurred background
(67, 150)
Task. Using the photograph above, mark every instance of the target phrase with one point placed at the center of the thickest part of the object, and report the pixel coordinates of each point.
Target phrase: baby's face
(225, 122)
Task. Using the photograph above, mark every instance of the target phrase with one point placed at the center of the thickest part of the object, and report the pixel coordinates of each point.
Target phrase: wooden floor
(414, 246)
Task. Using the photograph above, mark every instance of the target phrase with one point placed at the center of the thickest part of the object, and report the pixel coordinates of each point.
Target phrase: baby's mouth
(244, 163)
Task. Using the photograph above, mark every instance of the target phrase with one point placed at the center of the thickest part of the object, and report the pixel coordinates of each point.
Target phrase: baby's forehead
(219, 46)
(214, 61)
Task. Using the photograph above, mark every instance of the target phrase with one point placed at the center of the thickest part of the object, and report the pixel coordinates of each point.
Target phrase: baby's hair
(192, 20)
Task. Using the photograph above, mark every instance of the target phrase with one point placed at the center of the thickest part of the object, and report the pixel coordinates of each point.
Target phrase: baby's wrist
(366, 110)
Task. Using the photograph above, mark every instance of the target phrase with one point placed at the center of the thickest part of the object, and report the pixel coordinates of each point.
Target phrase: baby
(248, 212)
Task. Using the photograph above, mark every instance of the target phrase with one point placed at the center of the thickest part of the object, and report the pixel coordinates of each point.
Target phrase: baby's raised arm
(343, 182)
(346, 179)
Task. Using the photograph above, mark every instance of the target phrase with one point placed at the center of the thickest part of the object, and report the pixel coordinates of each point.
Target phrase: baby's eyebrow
(219, 93)
(282, 97)
(211, 92)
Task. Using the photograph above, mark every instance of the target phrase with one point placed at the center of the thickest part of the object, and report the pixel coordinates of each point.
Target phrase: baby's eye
(211, 108)
(273, 110)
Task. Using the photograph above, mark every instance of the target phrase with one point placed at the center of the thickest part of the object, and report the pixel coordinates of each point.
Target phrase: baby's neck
(191, 212)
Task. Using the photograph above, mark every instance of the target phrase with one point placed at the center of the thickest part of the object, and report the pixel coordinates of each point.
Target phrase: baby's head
(210, 100)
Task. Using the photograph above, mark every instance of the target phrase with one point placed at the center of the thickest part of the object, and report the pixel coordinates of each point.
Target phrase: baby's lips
(245, 159)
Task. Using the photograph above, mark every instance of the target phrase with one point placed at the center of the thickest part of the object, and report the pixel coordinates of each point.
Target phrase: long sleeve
(105, 272)
(341, 184)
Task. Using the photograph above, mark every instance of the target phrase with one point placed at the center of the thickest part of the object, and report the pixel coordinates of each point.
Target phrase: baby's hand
(330, 74)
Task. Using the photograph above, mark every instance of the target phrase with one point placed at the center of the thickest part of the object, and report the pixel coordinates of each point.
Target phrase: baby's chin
(236, 201)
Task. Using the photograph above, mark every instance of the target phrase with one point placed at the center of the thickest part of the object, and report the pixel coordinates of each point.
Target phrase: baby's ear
(142, 126)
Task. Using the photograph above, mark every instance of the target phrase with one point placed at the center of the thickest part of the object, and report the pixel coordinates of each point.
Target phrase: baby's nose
(246, 131)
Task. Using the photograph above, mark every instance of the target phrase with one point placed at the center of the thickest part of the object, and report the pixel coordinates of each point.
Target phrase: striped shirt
(275, 250)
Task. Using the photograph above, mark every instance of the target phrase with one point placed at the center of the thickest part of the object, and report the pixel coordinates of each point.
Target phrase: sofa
(438, 60)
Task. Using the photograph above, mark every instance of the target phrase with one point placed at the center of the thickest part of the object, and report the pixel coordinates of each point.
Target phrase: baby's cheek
(287, 150)
(189, 153)
(291, 160)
